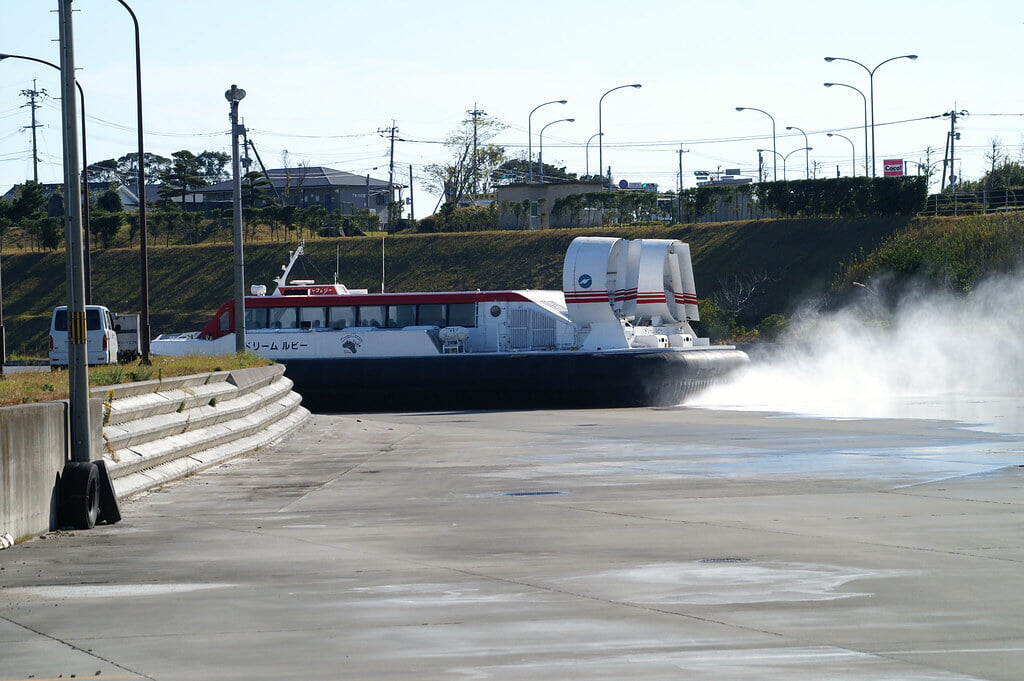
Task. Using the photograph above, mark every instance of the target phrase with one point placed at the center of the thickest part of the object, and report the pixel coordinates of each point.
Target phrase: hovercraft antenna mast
(286, 269)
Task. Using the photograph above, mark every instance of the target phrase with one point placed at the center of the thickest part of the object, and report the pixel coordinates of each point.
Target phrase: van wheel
(79, 495)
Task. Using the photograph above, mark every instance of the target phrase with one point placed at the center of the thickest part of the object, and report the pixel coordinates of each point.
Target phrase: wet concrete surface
(643, 543)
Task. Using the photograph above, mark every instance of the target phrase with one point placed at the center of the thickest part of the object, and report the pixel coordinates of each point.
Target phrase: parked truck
(109, 337)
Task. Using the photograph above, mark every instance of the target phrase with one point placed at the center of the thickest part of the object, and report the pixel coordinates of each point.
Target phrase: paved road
(645, 544)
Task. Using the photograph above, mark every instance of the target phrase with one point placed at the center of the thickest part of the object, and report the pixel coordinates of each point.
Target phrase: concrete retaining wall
(148, 433)
(33, 439)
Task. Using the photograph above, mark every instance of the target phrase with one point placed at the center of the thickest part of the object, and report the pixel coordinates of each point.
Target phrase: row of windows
(343, 317)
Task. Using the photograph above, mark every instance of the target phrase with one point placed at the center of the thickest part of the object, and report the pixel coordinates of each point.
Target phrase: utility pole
(951, 139)
(391, 170)
(476, 113)
(679, 194)
(32, 105)
(412, 208)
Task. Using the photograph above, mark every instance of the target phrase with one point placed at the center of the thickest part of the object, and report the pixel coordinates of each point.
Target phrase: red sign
(893, 167)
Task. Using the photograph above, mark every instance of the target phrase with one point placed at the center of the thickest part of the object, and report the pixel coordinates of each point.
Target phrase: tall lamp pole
(786, 158)
(529, 132)
(807, 153)
(234, 96)
(78, 376)
(600, 132)
(85, 175)
(775, 162)
(853, 151)
(864, 97)
(776, 154)
(144, 332)
(586, 150)
(540, 158)
(871, 83)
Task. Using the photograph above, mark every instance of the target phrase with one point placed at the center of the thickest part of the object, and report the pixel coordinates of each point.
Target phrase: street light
(587, 150)
(775, 163)
(871, 83)
(529, 132)
(807, 154)
(234, 95)
(864, 97)
(786, 158)
(144, 332)
(87, 270)
(761, 151)
(600, 133)
(853, 151)
(540, 157)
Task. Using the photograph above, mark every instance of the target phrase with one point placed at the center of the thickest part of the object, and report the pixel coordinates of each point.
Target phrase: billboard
(893, 167)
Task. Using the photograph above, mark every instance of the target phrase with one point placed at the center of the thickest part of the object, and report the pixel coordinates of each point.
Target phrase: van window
(93, 320)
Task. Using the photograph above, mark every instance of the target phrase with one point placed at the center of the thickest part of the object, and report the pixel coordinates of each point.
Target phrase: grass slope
(188, 283)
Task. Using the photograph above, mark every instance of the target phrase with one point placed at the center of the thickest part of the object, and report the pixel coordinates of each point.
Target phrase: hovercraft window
(400, 316)
(312, 317)
(343, 317)
(255, 318)
(462, 314)
(432, 314)
(372, 315)
(283, 318)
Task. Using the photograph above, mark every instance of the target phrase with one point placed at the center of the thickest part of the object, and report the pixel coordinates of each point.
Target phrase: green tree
(29, 202)
(255, 189)
(181, 177)
(212, 166)
(110, 201)
(104, 225)
(473, 160)
(314, 218)
(518, 170)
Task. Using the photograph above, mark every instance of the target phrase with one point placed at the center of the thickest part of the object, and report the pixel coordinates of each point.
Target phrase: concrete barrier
(148, 432)
(33, 439)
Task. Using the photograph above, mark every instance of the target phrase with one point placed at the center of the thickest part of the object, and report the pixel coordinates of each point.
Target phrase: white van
(101, 338)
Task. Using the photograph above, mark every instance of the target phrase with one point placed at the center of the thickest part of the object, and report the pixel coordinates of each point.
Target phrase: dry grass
(44, 386)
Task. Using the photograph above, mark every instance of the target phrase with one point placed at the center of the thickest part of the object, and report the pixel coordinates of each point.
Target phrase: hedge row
(847, 197)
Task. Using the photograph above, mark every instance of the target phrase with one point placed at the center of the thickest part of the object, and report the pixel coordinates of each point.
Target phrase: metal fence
(968, 203)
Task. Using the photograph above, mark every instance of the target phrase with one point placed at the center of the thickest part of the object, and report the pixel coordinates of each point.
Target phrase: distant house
(313, 186)
(55, 194)
(541, 199)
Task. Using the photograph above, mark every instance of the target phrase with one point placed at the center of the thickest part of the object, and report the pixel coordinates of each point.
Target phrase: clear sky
(323, 76)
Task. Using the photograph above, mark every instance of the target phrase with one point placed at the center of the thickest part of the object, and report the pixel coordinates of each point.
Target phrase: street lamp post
(761, 151)
(587, 150)
(864, 97)
(234, 96)
(144, 332)
(529, 132)
(871, 84)
(807, 154)
(600, 133)
(540, 157)
(786, 158)
(87, 268)
(853, 151)
(775, 162)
